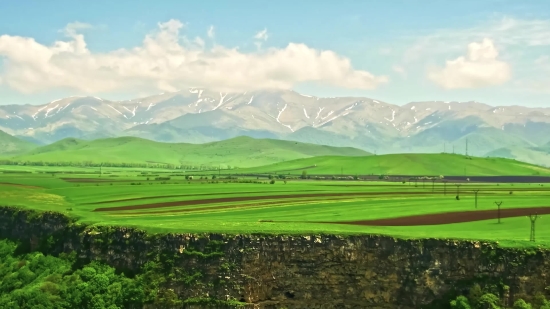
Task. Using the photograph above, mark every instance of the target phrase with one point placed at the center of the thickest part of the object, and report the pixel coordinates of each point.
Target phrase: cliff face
(313, 271)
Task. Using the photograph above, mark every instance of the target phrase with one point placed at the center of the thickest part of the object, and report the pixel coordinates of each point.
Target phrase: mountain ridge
(200, 115)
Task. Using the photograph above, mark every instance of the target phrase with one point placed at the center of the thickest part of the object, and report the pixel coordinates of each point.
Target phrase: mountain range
(199, 115)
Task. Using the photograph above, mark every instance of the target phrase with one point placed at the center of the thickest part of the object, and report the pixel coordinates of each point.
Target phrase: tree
(304, 174)
(521, 304)
(461, 302)
(489, 301)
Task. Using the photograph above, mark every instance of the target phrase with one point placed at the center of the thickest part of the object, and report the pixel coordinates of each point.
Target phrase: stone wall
(310, 271)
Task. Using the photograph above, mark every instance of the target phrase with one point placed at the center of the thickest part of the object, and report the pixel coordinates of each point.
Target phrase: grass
(10, 145)
(240, 151)
(293, 215)
(403, 164)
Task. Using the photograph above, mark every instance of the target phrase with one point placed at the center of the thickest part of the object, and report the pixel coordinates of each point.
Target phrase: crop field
(254, 205)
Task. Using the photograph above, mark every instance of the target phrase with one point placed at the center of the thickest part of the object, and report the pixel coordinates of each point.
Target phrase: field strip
(238, 206)
(9, 184)
(251, 198)
(190, 195)
(449, 217)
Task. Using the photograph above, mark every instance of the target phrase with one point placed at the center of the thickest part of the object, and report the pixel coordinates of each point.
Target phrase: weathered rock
(311, 271)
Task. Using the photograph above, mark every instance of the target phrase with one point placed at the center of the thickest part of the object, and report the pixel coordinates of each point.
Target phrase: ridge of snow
(55, 101)
(116, 110)
(222, 97)
(133, 111)
(352, 106)
(319, 112)
(415, 120)
(100, 99)
(392, 116)
(330, 113)
(149, 107)
(305, 95)
(92, 108)
(250, 101)
(279, 115)
(193, 90)
(413, 107)
(200, 93)
(49, 110)
(376, 101)
(305, 113)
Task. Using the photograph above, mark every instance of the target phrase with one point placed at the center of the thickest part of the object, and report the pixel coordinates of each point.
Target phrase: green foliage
(461, 302)
(521, 304)
(38, 281)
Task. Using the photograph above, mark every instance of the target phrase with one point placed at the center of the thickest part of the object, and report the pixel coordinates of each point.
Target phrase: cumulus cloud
(261, 35)
(480, 68)
(163, 62)
(210, 32)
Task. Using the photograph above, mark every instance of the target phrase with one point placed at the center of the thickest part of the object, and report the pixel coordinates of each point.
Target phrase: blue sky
(396, 51)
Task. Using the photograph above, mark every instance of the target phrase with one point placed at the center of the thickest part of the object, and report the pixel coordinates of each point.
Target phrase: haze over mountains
(199, 115)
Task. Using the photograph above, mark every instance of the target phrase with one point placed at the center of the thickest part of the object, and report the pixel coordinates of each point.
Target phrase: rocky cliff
(275, 271)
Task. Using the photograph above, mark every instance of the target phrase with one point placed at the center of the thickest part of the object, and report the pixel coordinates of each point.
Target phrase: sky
(399, 51)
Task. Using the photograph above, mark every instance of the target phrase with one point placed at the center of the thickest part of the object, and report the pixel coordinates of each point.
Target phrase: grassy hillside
(10, 145)
(535, 155)
(240, 151)
(404, 164)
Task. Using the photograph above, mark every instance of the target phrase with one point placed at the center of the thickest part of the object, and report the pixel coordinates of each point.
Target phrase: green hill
(239, 151)
(403, 164)
(10, 145)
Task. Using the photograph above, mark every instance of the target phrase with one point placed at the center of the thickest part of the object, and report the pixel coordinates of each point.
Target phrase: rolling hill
(239, 151)
(10, 145)
(403, 164)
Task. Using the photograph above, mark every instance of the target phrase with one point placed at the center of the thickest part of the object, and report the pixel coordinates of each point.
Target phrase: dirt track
(451, 217)
(19, 185)
(250, 198)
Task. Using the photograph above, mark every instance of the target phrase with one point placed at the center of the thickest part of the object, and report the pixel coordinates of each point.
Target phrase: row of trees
(479, 298)
(115, 164)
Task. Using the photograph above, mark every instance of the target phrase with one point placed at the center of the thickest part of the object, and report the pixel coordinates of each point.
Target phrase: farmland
(164, 201)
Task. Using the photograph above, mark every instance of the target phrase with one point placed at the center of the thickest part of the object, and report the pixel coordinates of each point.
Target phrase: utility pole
(498, 205)
(457, 189)
(476, 191)
(433, 184)
(444, 187)
(453, 149)
(100, 170)
(533, 221)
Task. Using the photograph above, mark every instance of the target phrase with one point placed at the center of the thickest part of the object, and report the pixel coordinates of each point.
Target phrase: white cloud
(210, 32)
(400, 70)
(504, 31)
(261, 35)
(164, 63)
(480, 68)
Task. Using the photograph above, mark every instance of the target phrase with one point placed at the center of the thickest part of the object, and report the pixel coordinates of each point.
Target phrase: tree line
(114, 164)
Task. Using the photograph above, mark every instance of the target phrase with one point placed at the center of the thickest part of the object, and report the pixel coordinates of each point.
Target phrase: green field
(239, 151)
(250, 205)
(403, 164)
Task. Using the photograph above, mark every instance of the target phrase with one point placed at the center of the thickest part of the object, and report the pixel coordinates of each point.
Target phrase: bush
(272, 181)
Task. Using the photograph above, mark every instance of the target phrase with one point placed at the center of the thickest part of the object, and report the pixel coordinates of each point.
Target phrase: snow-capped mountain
(199, 115)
